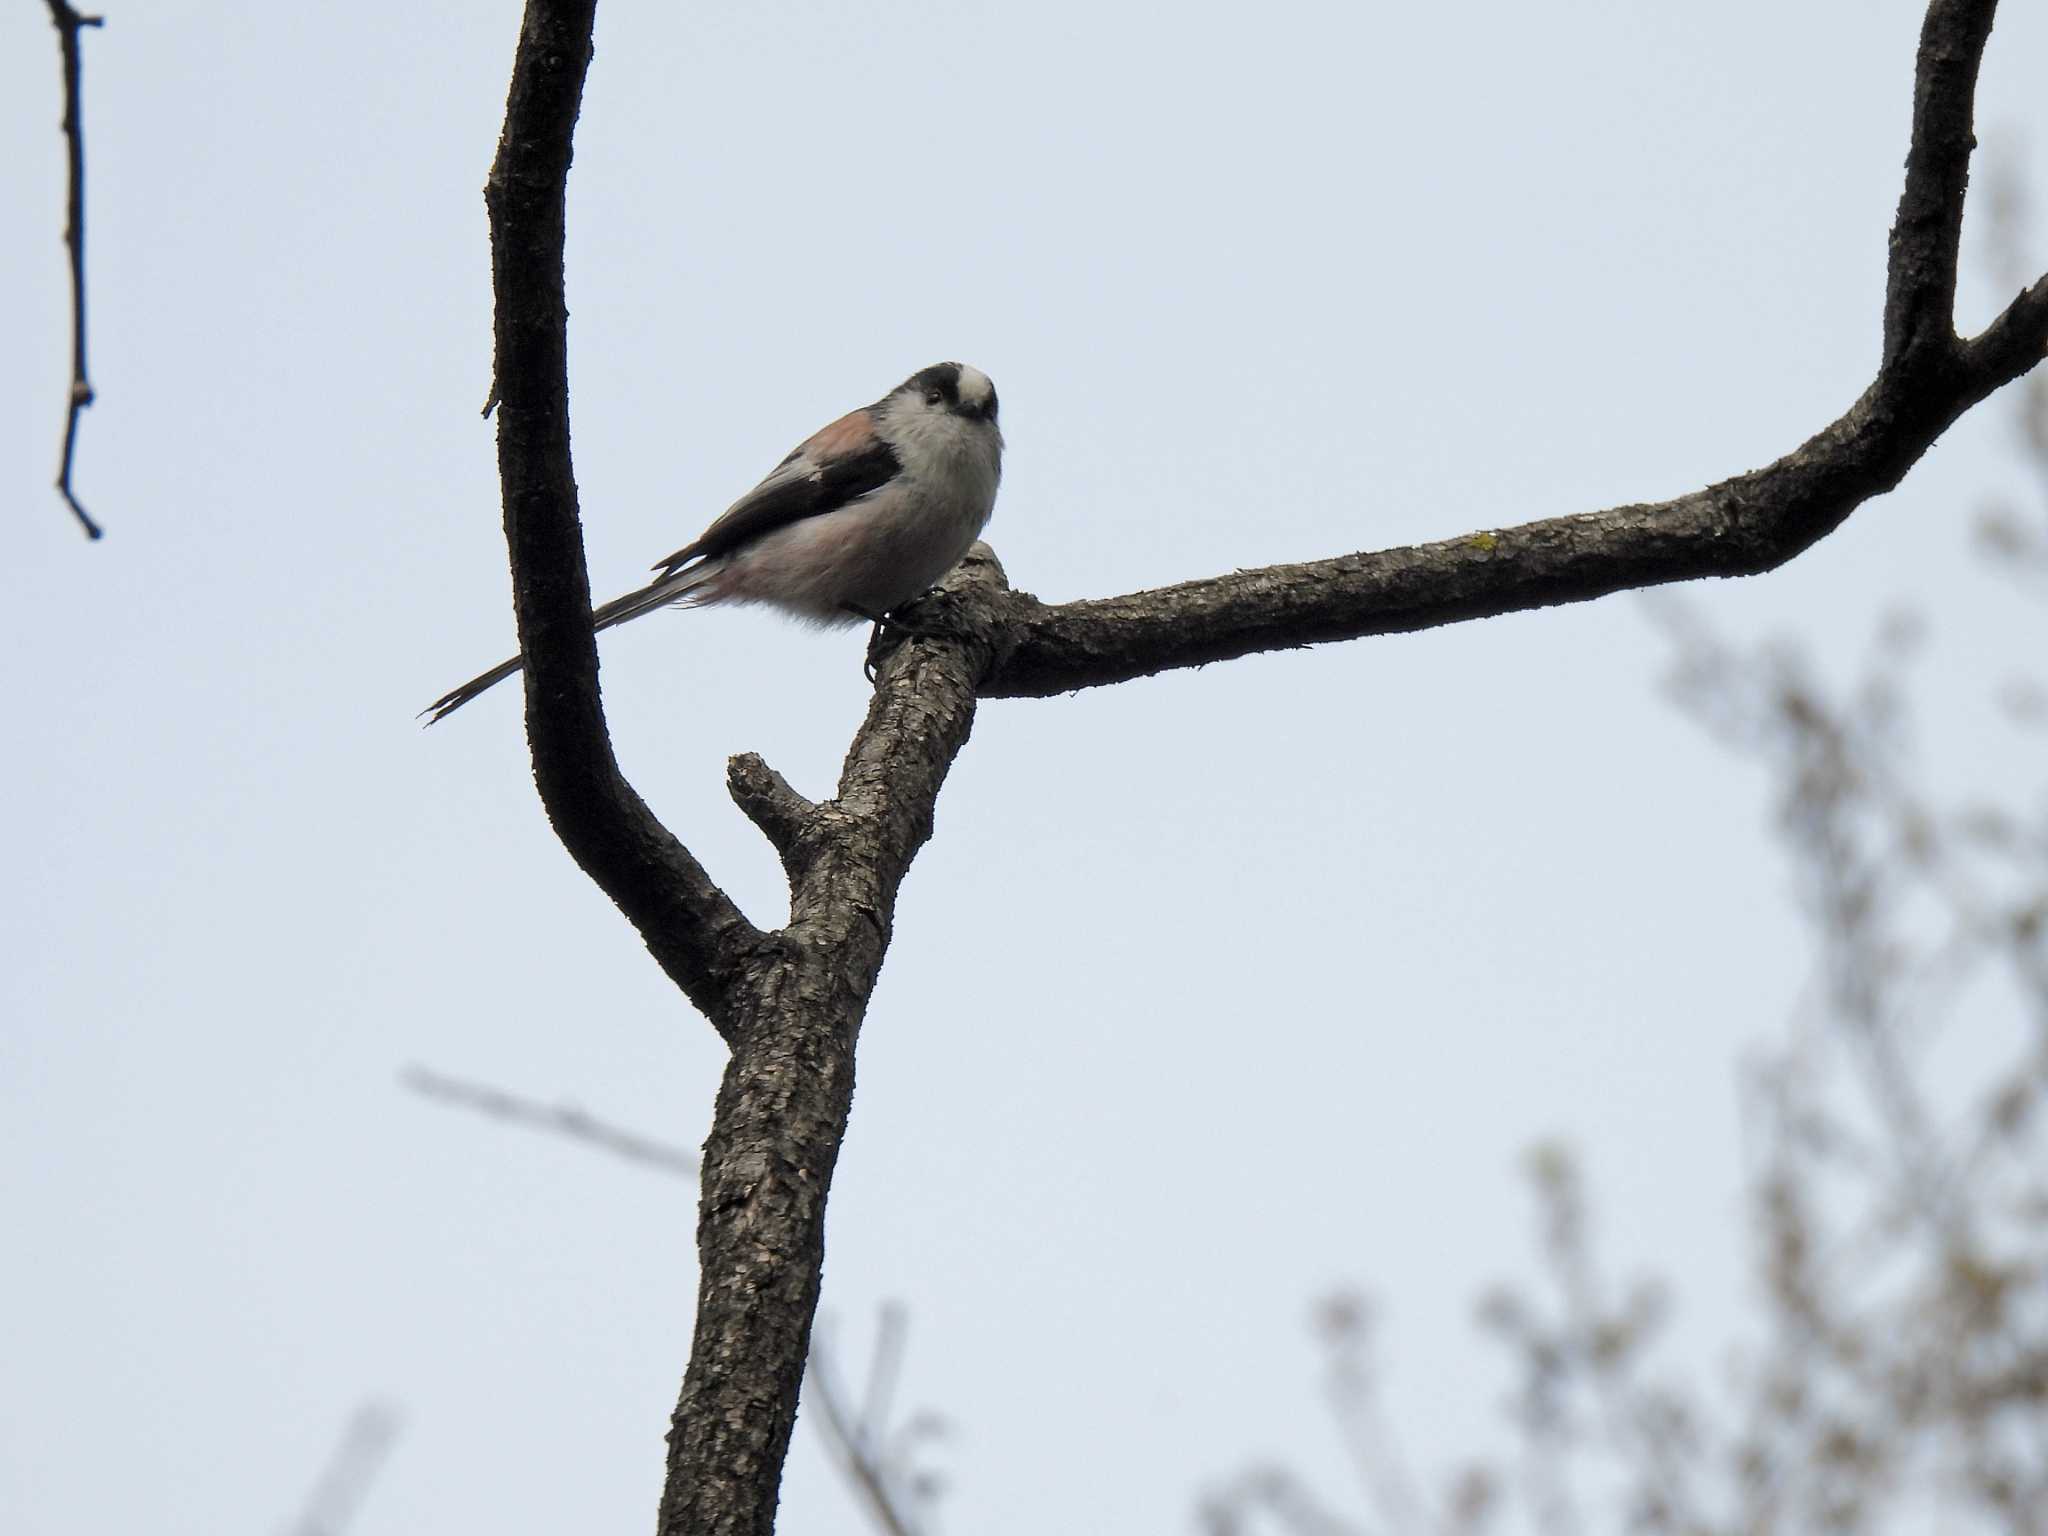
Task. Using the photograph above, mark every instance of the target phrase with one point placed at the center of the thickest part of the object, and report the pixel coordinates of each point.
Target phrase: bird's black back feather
(826, 490)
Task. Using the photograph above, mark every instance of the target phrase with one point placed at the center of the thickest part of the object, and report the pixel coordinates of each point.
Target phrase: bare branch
(1275, 1491)
(68, 23)
(693, 930)
(2019, 543)
(1741, 526)
(782, 1108)
(360, 1455)
(1920, 281)
(861, 1442)
(769, 803)
(1348, 1325)
(2011, 345)
(562, 1119)
(892, 1329)
(791, 1004)
(918, 721)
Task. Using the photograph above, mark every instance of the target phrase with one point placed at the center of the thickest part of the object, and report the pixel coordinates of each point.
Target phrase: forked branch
(791, 1003)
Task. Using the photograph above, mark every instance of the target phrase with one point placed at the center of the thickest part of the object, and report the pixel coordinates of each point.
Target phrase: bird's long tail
(659, 593)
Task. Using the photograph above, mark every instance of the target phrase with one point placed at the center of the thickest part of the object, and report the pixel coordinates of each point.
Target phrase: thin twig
(890, 1331)
(358, 1457)
(857, 1442)
(1348, 1324)
(1277, 1492)
(563, 1119)
(861, 1444)
(68, 22)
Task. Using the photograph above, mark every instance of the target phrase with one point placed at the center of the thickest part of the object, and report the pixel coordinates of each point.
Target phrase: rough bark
(790, 1003)
(782, 1107)
(1739, 527)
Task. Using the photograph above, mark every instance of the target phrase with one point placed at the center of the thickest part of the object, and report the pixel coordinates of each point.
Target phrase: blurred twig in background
(879, 1462)
(878, 1459)
(562, 1119)
(358, 1457)
(1897, 1374)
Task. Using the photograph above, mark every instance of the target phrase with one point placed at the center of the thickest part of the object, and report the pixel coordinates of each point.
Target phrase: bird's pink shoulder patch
(850, 434)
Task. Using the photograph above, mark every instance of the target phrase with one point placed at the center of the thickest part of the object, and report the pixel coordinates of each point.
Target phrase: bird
(861, 516)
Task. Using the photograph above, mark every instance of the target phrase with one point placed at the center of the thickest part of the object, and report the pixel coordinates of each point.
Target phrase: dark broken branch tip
(92, 529)
(767, 800)
(2015, 340)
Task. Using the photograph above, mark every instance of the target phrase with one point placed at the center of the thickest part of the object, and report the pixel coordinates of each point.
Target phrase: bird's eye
(934, 397)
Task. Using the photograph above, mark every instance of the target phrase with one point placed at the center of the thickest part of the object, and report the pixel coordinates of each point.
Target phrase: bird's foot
(891, 629)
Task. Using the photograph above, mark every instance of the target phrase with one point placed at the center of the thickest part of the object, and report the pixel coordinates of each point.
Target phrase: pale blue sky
(1211, 992)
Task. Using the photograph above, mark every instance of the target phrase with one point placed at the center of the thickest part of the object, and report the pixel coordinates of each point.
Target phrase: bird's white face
(945, 390)
(977, 390)
(946, 412)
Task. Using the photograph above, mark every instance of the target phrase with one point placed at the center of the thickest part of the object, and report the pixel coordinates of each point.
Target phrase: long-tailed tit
(863, 516)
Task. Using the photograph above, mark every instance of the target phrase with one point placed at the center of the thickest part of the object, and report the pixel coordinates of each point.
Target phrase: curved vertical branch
(789, 1004)
(691, 927)
(68, 22)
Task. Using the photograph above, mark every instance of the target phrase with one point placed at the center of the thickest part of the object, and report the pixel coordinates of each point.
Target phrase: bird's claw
(890, 630)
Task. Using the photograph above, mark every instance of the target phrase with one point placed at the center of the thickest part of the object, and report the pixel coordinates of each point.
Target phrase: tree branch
(860, 1440)
(782, 1107)
(2011, 345)
(1738, 527)
(1920, 280)
(68, 22)
(365, 1445)
(694, 931)
(562, 1119)
(791, 1004)
(1742, 526)
(766, 799)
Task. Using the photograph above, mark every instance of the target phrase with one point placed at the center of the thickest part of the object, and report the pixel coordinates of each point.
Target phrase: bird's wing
(830, 468)
(834, 466)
